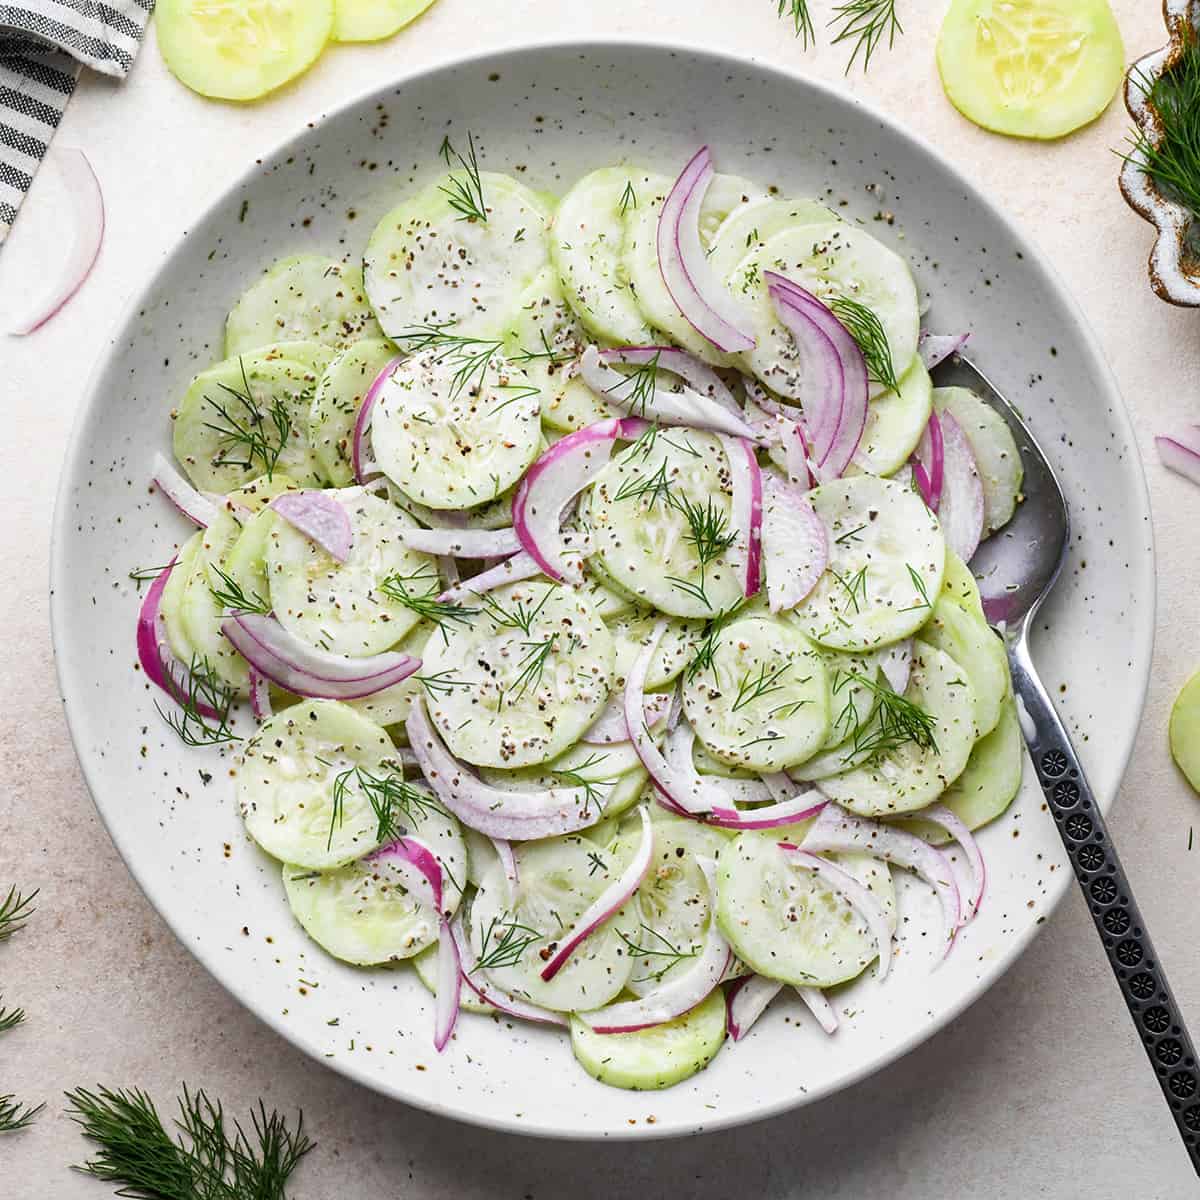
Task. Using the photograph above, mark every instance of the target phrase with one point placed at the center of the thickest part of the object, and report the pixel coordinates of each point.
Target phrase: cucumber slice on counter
(656, 1058)
(1185, 731)
(373, 20)
(241, 49)
(1031, 68)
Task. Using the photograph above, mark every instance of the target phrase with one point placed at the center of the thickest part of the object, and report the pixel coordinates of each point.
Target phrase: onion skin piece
(88, 202)
(320, 518)
(260, 695)
(929, 463)
(365, 470)
(1179, 457)
(608, 902)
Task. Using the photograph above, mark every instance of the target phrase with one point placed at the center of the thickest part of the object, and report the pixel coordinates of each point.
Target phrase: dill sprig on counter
(465, 191)
(1172, 160)
(10, 1018)
(15, 910)
(205, 1161)
(260, 436)
(14, 1115)
(867, 330)
(865, 22)
(801, 19)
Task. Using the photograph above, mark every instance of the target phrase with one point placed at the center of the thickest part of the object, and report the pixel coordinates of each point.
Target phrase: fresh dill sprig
(390, 798)
(260, 436)
(520, 616)
(867, 330)
(596, 863)
(801, 18)
(1172, 158)
(755, 687)
(205, 708)
(531, 666)
(635, 391)
(465, 192)
(14, 1115)
(658, 947)
(922, 590)
(147, 574)
(471, 356)
(442, 683)
(708, 529)
(896, 722)
(425, 603)
(232, 597)
(628, 197)
(206, 1162)
(15, 911)
(855, 588)
(866, 22)
(508, 946)
(10, 1018)
(702, 659)
(656, 486)
(848, 720)
(592, 793)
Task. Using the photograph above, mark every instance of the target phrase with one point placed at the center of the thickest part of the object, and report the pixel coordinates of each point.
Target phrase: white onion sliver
(198, 508)
(320, 518)
(260, 695)
(608, 902)
(699, 375)
(364, 466)
(972, 894)
(746, 1001)
(961, 511)
(747, 511)
(795, 543)
(818, 1004)
(88, 203)
(935, 348)
(512, 570)
(449, 987)
(463, 543)
(896, 664)
(508, 862)
(610, 726)
(684, 790)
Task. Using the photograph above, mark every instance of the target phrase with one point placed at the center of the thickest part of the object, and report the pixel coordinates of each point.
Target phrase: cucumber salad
(580, 593)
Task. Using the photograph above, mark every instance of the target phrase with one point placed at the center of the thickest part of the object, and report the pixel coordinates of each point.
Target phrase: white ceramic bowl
(552, 113)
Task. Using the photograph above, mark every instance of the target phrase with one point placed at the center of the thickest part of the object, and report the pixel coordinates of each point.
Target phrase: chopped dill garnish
(465, 191)
(390, 798)
(922, 591)
(896, 722)
(15, 911)
(10, 1018)
(628, 197)
(425, 602)
(866, 22)
(851, 535)
(767, 681)
(656, 946)
(520, 616)
(656, 486)
(470, 356)
(244, 427)
(531, 666)
(855, 588)
(207, 1162)
(442, 683)
(205, 708)
(801, 19)
(708, 530)
(867, 330)
(232, 597)
(597, 863)
(14, 1115)
(508, 947)
(702, 660)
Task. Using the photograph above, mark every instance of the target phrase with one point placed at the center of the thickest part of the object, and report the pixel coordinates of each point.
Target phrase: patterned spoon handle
(1109, 899)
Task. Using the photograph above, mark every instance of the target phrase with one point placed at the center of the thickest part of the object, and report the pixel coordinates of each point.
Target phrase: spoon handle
(1109, 899)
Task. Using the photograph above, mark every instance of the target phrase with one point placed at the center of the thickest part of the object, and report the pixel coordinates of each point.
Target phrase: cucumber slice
(643, 540)
(427, 265)
(834, 260)
(586, 244)
(972, 644)
(886, 564)
(339, 396)
(1000, 469)
(304, 298)
(895, 422)
(285, 784)
(246, 417)
(960, 585)
(425, 965)
(1034, 69)
(676, 648)
(1185, 731)
(751, 225)
(990, 782)
(362, 913)
(560, 879)
(763, 704)
(607, 601)
(373, 20)
(725, 193)
(614, 772)
(910, 776)
(341, 607)
(655, 1058)
(243, 50)
(450, 445)
(523, 679)
(392, 706)
(784, 923)
(172, 598)
(852, 699)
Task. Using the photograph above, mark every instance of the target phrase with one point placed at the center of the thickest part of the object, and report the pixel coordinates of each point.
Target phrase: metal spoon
(1016, 570)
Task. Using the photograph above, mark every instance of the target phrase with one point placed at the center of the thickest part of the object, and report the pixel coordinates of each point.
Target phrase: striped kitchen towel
(43, 44)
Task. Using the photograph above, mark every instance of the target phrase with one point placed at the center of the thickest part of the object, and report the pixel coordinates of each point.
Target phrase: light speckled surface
(112, 997)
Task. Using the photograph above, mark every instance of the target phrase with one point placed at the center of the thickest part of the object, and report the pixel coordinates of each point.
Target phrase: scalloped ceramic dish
(1175, 259)
(551, 113)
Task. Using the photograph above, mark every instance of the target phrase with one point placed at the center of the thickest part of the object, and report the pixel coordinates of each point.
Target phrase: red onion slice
(88, 204)
(820, 1008)
(464, 543)
(822, 391)
(1177, 455)
(194, 505)
(856, 894)
(158, 661)
(260, 695)
(514, 816)
(610, 901)
(360, 458)
(921, 478)
(961, 511)
(746, 1001)
(935, 348)
(683, 993)
(929, 463)
(747, 511)
(687, 407)
(554, 480)
(972, 892)
(795, 544)
(800, 807)
(304, 670)
(896, 664)
(508, 863)
(419, 866)
(798, 456)
(836, 829)
(700, 296)
(610, 726)
(512, 570)
(449, 988)
(487, 991)
(320, 518)
(691, 370)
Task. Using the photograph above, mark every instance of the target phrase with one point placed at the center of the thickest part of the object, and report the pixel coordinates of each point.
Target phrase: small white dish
(550, 113)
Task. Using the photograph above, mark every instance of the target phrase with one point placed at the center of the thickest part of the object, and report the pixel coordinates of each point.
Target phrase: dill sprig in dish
(205, 708)
(867, 330)
(250, 434)
(464, 191)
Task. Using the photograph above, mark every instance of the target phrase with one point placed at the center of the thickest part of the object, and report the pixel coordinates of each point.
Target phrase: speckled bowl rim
(1141, 650)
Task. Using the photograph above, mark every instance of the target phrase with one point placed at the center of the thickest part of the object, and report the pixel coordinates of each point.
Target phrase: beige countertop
(1040, 1089)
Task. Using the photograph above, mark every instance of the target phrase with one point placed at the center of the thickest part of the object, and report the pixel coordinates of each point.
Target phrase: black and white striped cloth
(43, 45)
